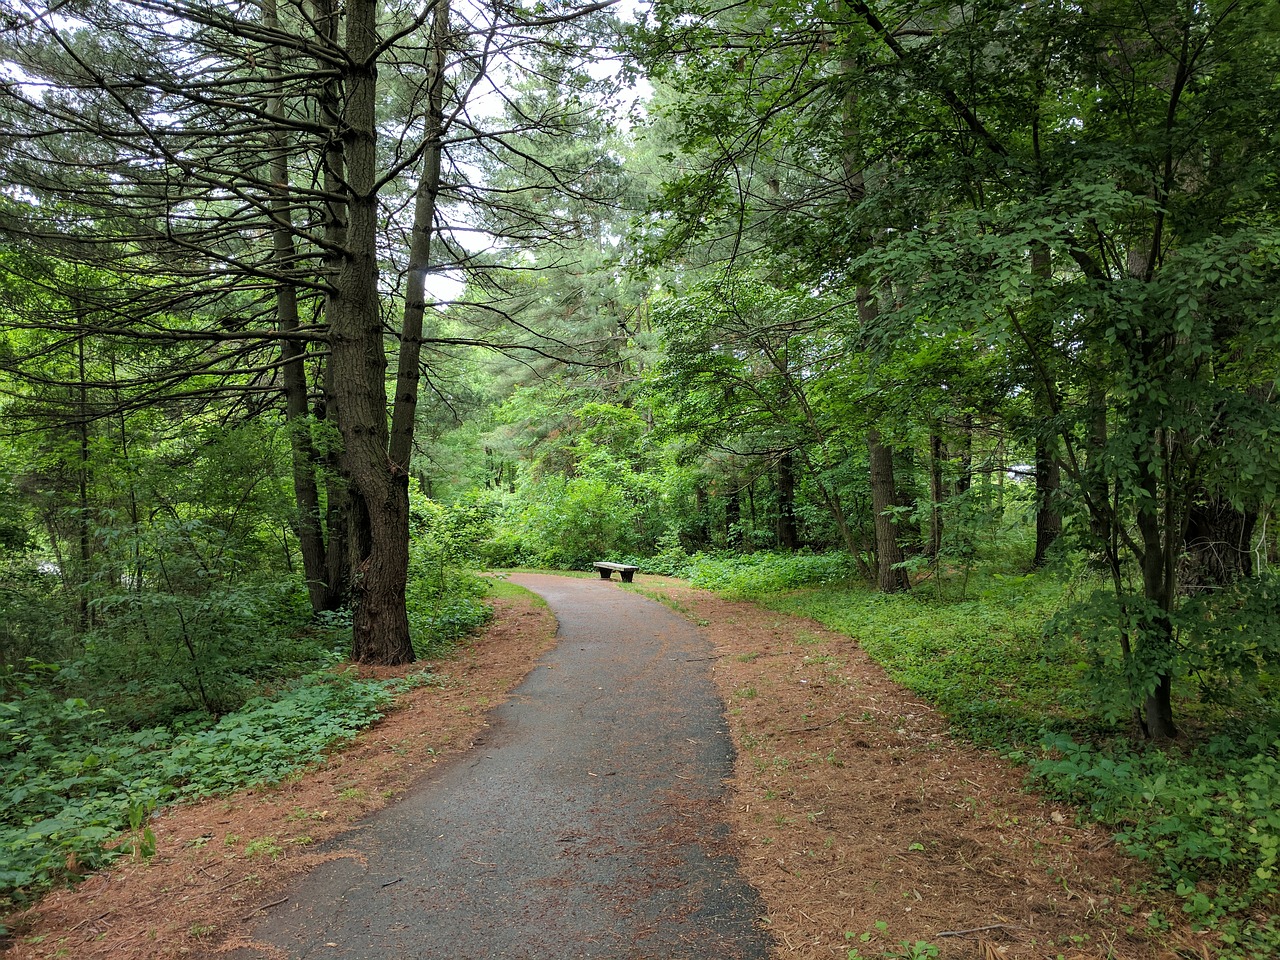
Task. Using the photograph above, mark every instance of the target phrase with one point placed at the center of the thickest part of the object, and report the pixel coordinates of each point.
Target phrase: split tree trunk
(306, 521)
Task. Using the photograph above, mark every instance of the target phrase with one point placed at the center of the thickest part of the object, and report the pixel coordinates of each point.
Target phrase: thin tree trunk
(306, 520)
(82, 482)
(890, 577)
(788, 533)
(408, 372)
(1156, 635)
(964, 454)
(1048, 480)
(1048, 471)
(905, 497)
(733, 517)
(936, 495)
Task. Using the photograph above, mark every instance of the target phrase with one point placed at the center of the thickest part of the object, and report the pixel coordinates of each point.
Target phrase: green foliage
(1226, 646)
(1206, 819)
(71, 780)
(904, 950)
(162, 654)
(983, 660)
(445, 601)
(756, 575)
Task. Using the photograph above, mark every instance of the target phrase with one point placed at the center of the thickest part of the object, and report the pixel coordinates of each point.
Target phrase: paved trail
(581, 827)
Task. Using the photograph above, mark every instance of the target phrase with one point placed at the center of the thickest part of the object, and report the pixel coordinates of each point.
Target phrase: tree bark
(890, 577)
(403, 418)
(1048, 472)
(788, 532)
(733, 516)
(306, 521)
(964, 454)
(1048, 480)
(1158, 579)
(379, 486)
(936, 495)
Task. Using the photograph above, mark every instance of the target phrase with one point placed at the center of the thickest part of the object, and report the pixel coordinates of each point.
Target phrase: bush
(164, 654)
(1206, 820)
(445, 600)
(756, 575)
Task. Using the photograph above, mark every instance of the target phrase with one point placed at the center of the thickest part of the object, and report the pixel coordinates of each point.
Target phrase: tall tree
(260, 157)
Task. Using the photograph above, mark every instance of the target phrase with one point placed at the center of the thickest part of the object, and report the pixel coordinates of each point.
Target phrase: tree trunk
(1048, 473)
(403, 419)
(306, 522)
(733, 517)
(1156, 631)
(906, 498)
(379, 486)
(1048, 519)
(83, 608)
(964, 453)
(936, 495)
(338, 504)
(1219, 544)
(788, 533)
(890, 577)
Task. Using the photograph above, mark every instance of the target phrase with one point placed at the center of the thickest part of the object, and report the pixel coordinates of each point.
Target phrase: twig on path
(962, 933)
(101, 916)
(266, 906)
(390, 883)
(818, 727)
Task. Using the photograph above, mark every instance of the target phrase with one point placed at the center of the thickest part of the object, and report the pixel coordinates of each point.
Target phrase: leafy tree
(1081, 188)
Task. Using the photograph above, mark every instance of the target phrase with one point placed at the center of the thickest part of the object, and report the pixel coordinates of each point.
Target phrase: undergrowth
(71, 780)
(178, 695)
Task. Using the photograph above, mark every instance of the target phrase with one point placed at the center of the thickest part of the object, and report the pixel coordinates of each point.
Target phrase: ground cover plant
(72, 782)
(216, 859)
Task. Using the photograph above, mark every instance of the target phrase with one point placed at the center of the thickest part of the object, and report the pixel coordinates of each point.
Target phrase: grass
(503, 589)
(985, 661)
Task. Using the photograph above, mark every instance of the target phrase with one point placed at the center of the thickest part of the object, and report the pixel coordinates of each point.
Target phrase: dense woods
(309, 311)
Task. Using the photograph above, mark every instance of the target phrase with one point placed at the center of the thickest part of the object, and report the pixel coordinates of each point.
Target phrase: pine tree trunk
(379, 487)
(306, 522)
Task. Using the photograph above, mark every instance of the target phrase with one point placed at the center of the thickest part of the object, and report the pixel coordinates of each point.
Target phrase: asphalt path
(584, 825)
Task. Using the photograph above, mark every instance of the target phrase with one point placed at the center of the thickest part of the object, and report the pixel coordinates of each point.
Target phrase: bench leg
(606, 574)
(627, 575)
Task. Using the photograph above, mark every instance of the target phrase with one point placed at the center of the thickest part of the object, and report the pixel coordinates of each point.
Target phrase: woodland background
(309, 311)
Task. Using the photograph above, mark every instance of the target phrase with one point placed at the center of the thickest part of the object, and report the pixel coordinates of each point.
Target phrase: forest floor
(856, 816)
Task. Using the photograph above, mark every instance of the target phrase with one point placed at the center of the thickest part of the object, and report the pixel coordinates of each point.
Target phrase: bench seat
(607, 569)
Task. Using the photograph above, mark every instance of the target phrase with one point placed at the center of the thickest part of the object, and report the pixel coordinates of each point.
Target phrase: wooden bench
(606, 570)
